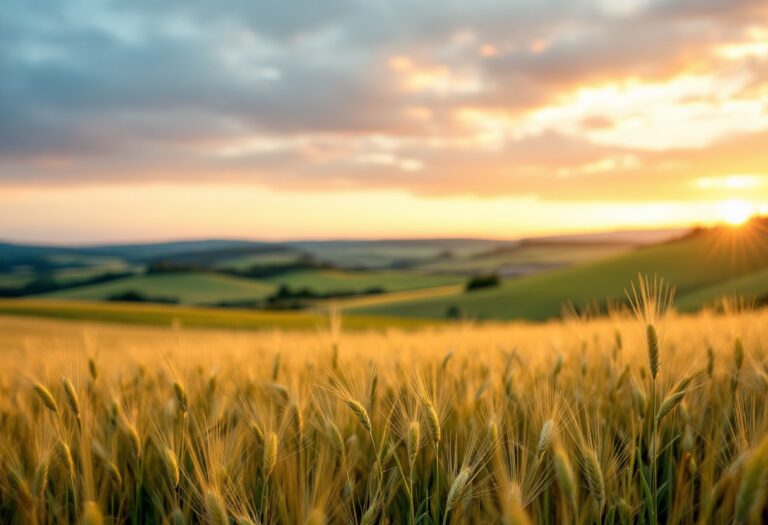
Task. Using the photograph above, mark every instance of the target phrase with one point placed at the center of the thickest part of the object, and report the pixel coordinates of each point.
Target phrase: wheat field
(643, 418)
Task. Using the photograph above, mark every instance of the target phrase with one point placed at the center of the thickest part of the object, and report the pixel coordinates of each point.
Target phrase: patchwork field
(529, 258)
(531, 279)
(695, 264)
(752, 287)
(188, 288)
(324, 281)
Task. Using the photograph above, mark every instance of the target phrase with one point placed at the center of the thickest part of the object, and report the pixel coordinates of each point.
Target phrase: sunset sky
(153, 119)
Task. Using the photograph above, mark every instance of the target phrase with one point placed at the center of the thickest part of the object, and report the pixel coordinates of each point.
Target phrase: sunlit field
(632, 418)
(384, 262)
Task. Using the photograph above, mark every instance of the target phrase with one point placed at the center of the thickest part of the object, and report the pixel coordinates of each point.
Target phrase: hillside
(404, 253)
(693, 264)
(327, 281)
(529, 257)
(409, 278)
(753, 287)
(187, 288)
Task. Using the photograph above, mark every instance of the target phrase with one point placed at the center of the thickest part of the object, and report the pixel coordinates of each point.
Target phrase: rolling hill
(188, 288)
(413, 278)
(529, 257)
(702, 260)
(326, 281)
(753, 287)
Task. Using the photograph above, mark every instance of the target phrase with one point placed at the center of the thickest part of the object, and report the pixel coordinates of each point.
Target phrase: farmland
(695, 264)
(195, 317)
(393, 281)
(384, 263)
(298, 275)
(503, 423)
(533, 279)
(188, 288)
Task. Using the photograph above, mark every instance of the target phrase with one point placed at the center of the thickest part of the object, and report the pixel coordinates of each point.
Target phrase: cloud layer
(584, 99)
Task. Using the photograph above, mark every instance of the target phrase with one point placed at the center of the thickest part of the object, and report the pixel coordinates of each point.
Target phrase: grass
(753, 286)
(68, 275)
(530, 258)
(391, 297)
(325, 281)
(188, 288)
(693, 264)
(64, 275)
(197, 317)
(570, 422)
(15, 280)
(198, 288)
(383, 254)
(244, 262)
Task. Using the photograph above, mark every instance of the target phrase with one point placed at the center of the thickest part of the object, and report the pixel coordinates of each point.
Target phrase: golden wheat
(577, 421)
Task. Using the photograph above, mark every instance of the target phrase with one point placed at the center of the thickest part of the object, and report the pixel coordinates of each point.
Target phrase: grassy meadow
(704, 268)
(418, 279)
(187, 288)
(646, 418)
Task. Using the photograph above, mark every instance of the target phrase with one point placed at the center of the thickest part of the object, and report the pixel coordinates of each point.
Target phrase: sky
(157, 119)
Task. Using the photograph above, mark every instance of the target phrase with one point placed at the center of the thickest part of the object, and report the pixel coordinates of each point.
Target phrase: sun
(736, 211)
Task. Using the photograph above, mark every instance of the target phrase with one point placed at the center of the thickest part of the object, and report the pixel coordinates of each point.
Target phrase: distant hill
(342, 252)
(421, 277)
(385, 253)
(51, 257)
(620, 236)
(167, 249)
(695, 263)
(186, 288)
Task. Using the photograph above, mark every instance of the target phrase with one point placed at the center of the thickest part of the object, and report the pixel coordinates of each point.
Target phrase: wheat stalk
(92, 514)
(594, 475)
(214, 509)
(269, 458)
(46, 397)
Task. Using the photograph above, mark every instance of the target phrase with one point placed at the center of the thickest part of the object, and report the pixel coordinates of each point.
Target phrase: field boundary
(197, 317)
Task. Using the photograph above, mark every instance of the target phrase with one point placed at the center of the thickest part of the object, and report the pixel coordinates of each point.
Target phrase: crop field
(188, 288)
(194, 317)
(645, 417)
(702, 267)
(324, 281)
(752, 287)
(529, 258)
(244, 262)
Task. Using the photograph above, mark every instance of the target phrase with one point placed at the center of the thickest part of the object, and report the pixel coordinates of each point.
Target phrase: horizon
(160, 120)
(277, 240)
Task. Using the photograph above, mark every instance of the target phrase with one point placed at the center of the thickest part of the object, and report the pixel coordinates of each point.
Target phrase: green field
(170, 315)
(199, 288)
(753, 286)
(15, 280)
(383, 254)
(188, 288)
(90, 261)
(692, 265)
(326, 281)
(79, 274)
(244, 262)
(529, 258)
(539, 276)
(66, 275)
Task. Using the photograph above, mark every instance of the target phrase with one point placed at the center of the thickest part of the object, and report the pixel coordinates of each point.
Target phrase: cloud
(289, 96)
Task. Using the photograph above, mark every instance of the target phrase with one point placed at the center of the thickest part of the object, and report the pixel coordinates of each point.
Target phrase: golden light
(736, 211)
(488, 50)
(731, 182)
